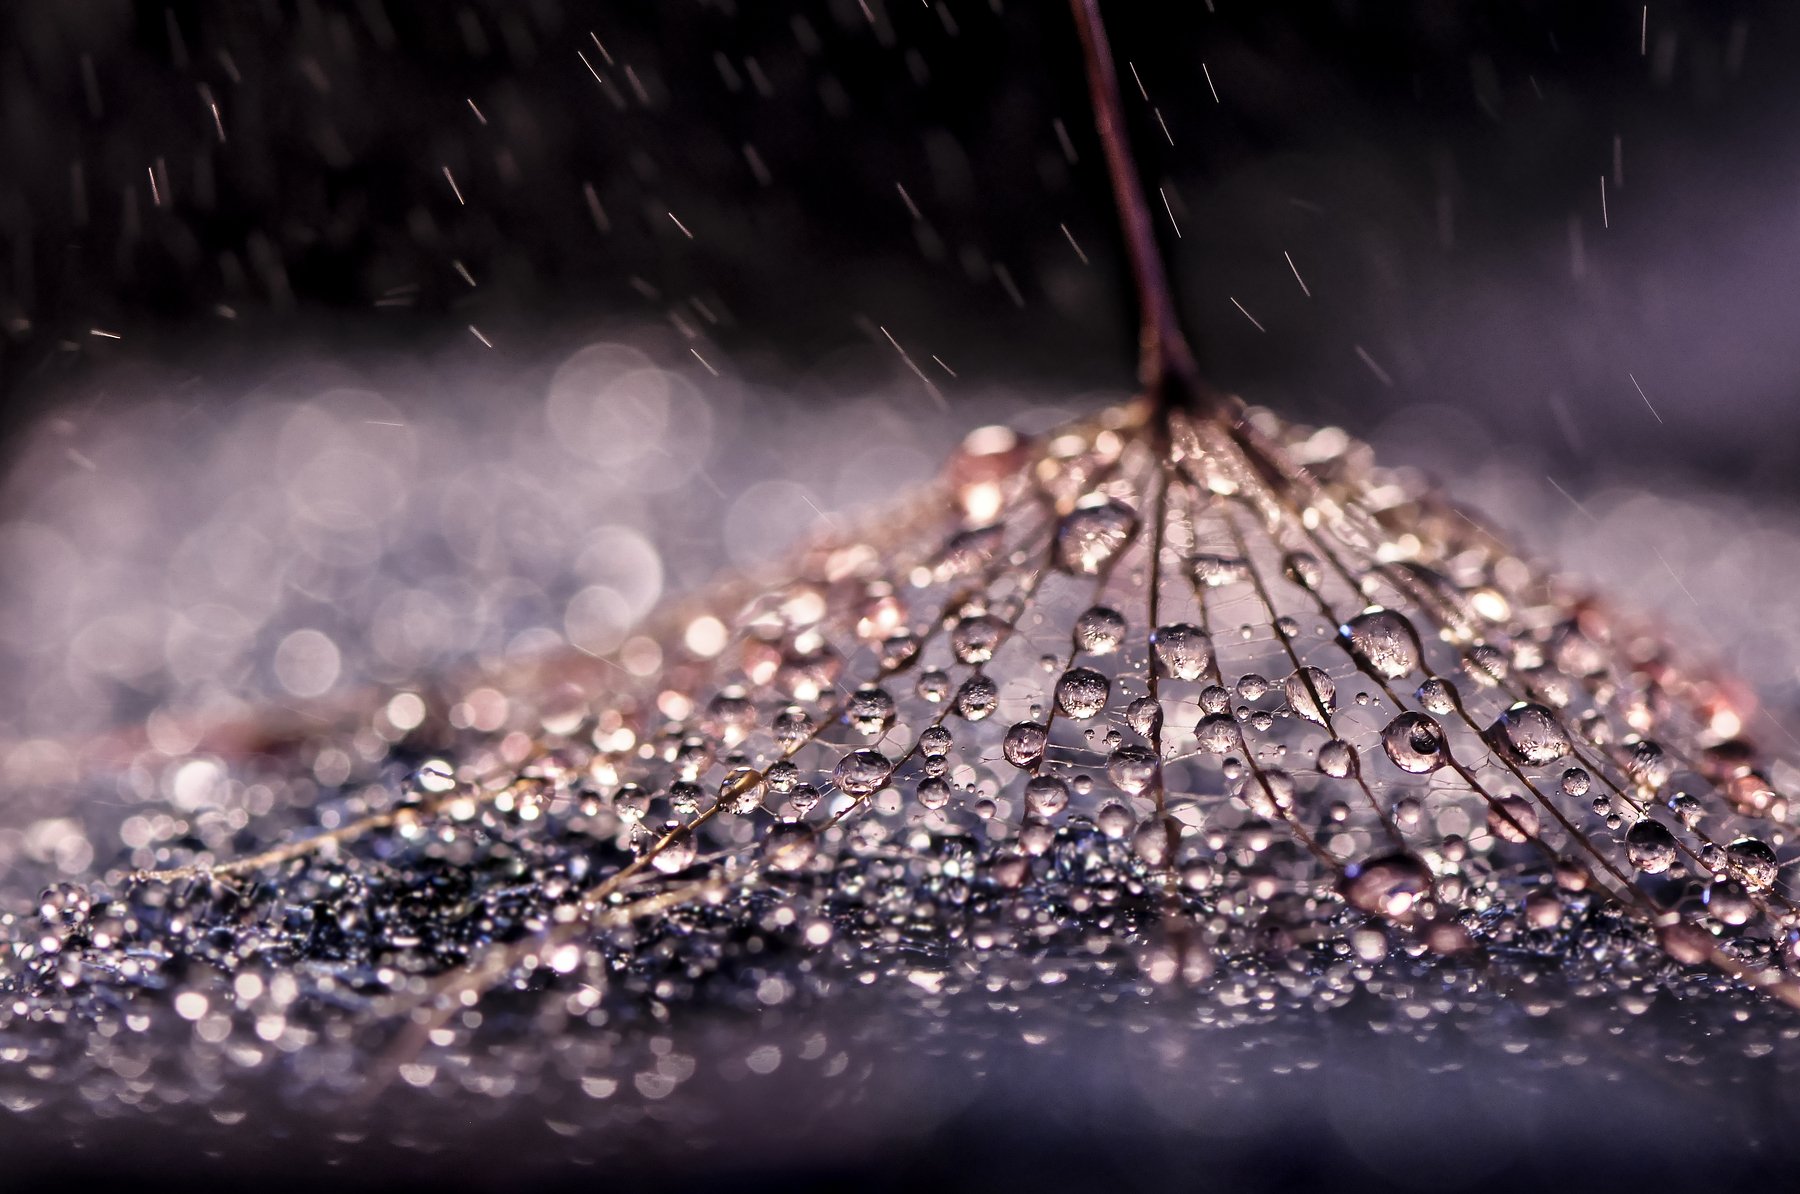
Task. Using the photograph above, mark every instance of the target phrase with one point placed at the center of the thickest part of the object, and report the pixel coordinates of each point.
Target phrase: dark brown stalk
(1166, 368)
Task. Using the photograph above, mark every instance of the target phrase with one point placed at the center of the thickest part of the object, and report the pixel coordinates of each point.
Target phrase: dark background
(1434, 170)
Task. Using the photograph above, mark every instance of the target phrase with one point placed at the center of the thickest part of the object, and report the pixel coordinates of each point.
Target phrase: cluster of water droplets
(1219, 707)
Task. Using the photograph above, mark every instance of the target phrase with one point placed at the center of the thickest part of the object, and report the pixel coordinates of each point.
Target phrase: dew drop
(1414, 742)
(1529, 735)
(861, 772)
(976, 638)
(1132, 769)
(1184, 651)
(934, 686)
(1302, 568)
(977, 697)
(1081, 693)
(935, 742)
(1384, 640)
(1217, 734)
(1337, 759)
(1046, 795)
(1386, 885)
(934, 792)
(1251, 687)
(1437, 695)
(1650, 846)
(870, 710)
(1092, 534)
(1024, 743)
(1144, 715)
(1100, 630)
(677, 855)
(1215, 571)
(1513, 819)
(790, 847)
(1311, 694)
(1753, 862)
(1576, 781)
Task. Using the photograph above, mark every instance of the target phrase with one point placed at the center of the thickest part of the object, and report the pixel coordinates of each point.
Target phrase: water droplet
(792, 727)
(678, 855)
(1753, 862)
(1486, 665)
(742, 791)
(1251, 687)
(1132, 769)
(1302, 568)
(935, 742)
(781, 776)
(897, 651)
(1046, 795)
(1184, 651)
(861, 772)
(1311, 694)
(1092, 534)
(1024, 743)
(1414, 742)
(1144, 715)
(1217, 734)
(1650, 846)
(870, 710)
(976, 638)
(1437, 695)
(1269, 794)
(977, 697)
(1529, 735)
(1337, 759)
(1512, 818)
(1099, 630)
(934, 685)
(1115, 820)
(934, 792)
(1728, 902)
(790, 847)
(803, 799)
(1154, 841)
(1575, 782)
(1384, 640)
(1387, 885)
(1217, 571)
(1649, 765)
(1081, 693)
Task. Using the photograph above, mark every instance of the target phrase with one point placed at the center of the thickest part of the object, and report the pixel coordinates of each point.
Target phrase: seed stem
(1166, 368)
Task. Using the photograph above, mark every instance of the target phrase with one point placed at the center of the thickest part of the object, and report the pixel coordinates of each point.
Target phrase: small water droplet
(1650, 846)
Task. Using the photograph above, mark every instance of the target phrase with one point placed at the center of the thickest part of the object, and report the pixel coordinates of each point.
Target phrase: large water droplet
(870, 710)
(1337, 759)
(1310, 694)
(977, 697)
(1650, 846)
(1081, 692)
(1184, 651)
(1046, 795)
(1384, 640)
(1092, 534)
(1415, 742)
(1100, 630)
(976, 638)
(1024, 743)
(1529, 735)
(1217, 734)
(862, 771)
(1386, 885)
(1132, 769)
